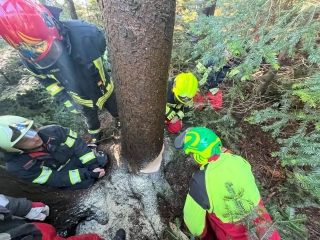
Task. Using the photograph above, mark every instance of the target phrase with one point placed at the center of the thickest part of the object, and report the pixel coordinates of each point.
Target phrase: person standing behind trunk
(65, 56)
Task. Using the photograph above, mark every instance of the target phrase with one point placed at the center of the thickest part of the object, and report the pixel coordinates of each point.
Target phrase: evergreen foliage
(294, 121)
(256, 35)
(89, 11)
(255, 32)
(27, 98)
(288, 223)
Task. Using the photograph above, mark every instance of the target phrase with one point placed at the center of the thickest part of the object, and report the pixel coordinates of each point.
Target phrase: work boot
(120, 235)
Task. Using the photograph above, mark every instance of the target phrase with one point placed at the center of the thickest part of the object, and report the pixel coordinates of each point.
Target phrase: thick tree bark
(209, 11)
(268, 78)
(265, 81)
(72, 9)
(139, 38)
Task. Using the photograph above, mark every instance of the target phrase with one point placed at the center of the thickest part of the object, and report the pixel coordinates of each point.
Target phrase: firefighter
(65, 56)
(14, 223)
(181, 91)
(223, 194)
(53, 156)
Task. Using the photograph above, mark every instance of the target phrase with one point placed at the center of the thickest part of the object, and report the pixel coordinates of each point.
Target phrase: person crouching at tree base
(54, 156)
(223, 195)
(20, 220)
(181, 91)
(65, 56)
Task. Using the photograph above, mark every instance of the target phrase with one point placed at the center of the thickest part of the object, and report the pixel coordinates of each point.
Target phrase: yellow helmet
(12, 129)
(185, 87)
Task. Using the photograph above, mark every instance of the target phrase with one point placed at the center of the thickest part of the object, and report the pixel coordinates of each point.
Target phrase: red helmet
(30, 28)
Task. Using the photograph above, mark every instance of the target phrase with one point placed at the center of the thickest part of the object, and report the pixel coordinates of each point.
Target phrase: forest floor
(129, 211)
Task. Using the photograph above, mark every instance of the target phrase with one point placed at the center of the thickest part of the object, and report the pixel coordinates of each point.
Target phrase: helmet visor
(19, 130)
(184, 99)
(32, 52)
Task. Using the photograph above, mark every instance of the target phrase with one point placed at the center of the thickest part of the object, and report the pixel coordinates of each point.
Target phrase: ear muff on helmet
(202, 142)
(200, 159)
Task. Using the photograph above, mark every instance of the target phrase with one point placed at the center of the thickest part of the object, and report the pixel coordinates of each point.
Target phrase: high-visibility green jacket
(65, 161)
(225, 187)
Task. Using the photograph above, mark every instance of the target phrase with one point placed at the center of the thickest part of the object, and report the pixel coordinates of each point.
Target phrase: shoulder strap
(198, 189)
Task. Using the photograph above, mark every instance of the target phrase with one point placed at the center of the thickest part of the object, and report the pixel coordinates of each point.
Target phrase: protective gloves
(39, 211)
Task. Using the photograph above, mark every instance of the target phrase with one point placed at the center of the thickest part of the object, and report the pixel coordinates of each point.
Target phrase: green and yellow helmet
(12, 129)
(201, 142)
(185, 87)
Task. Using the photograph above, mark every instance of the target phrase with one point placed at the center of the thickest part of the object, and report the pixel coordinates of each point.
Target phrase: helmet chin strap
(62, 29)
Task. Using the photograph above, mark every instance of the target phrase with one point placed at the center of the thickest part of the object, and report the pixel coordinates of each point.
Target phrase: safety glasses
(184, 99)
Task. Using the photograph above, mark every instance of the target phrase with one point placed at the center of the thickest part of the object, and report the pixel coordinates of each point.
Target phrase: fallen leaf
(275, 173)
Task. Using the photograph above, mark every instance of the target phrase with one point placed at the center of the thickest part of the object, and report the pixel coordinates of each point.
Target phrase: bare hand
(99, 170)
(174, 120)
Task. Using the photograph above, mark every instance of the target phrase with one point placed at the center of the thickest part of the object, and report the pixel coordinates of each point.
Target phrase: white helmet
(12, 129)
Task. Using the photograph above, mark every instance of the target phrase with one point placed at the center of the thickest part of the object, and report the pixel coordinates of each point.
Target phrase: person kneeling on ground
(54, 156)
(14, 223)
(181, 91)
(223, 195)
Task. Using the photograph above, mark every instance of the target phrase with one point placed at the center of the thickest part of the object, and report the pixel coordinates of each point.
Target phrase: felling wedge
(155, 165)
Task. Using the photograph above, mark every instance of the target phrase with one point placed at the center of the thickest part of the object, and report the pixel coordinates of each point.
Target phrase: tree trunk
(139, 38)
(265, 81)
(209, 11)
(72, 9)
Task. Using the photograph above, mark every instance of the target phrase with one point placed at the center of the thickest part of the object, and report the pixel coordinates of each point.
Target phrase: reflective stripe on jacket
(63, 163)
(225, 187)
